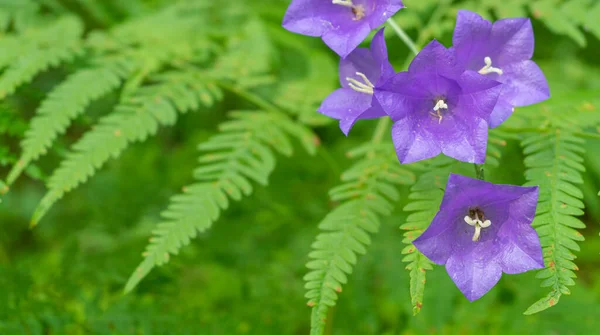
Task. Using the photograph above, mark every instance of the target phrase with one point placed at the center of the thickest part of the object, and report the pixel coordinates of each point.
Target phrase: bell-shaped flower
(342, 24)
(439, 108)
(482, 230)
(360, 74)
(502, 51)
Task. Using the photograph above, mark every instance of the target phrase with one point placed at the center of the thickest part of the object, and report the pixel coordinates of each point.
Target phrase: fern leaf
(63, 104)
(366, 194)
(426, 196)
(240, 155)
(133, 121)
(554, 162)
(57, 44)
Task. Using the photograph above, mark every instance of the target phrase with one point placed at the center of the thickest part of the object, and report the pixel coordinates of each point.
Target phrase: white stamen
(347, 3)
(488, 68)
(439, 105)
(366, 86)
(478, 225)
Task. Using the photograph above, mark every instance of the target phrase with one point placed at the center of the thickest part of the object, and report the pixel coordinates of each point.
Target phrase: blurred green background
(244, 276)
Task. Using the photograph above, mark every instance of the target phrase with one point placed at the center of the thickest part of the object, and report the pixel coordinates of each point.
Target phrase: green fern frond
(368, 192)
(132, 121)
(65, 103)
(554, 162)
(240, 155)
(56, 44)
(426, 195)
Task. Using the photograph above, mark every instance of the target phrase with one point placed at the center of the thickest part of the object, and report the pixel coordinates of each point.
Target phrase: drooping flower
(501, 51)
(342, 24)
(439, 108)
(482, 230)
(360, 73)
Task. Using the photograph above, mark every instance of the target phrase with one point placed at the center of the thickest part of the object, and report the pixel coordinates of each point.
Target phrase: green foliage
(85, 81)
(566, 17)
(426, 196)
(554, 162)
(367, 194)
(241, 154)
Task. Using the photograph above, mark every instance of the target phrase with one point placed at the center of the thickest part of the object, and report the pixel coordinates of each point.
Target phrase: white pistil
(488, 68)
(347, 3)
(439, 105)
(478, 225)
(366, 86)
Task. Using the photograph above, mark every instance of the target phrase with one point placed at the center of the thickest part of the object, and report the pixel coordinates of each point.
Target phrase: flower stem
(479, 171)
(403, 36)
(380, 129)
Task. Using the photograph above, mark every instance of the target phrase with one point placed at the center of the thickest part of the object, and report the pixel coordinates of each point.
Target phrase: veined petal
(435, 58)
(524, 84)
(473, 275)
(413, 144)
(466, 141)
(470, 38)
(347, 105)
(380, 55)
(344, 41)
(511, 40)
(310, 17)
(360, 60)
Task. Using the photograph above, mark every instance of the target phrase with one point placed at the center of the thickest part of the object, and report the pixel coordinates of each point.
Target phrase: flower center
(476, 222)
(364, 86)
(488, 68)
(357, 10)
(441, 104)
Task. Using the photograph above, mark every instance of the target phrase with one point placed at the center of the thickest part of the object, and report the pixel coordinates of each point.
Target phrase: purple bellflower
(502, 51)
(342, 24)
(360, 74)
(437, 107)
(482, 230)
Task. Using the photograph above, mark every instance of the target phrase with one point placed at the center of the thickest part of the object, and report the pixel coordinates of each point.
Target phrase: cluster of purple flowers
(443, 104)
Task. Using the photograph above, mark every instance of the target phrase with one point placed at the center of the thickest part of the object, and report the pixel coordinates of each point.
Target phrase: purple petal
(435, 58)
(384, 9)
(524, 84)
(380, 55)
(401, 95)
(474, 273)
(310, 17)
(478, 97)
(502, 111)
(439, 240)
(347, 105)
(470, 39)
(360, 60)
(470, 28)
(412, 143)
(511, 41)
(465, 140)
(344, 40)
(522, 249)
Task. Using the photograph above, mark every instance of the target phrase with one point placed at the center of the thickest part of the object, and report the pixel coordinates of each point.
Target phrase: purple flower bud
(482, 230)
(342, 24)
(360, 74)
(501, 51)
(437, 107)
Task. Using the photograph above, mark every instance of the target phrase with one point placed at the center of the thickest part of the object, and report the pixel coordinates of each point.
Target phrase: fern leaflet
(366, 194)
(426, 195)
(63, 104)
(242, 153)
(554, 163)
(59, 43)
(151, 107)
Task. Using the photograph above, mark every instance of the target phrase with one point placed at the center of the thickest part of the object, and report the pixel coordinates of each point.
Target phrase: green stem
(380, 129)
(479, 171)
(403, 36)
(249, 96)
